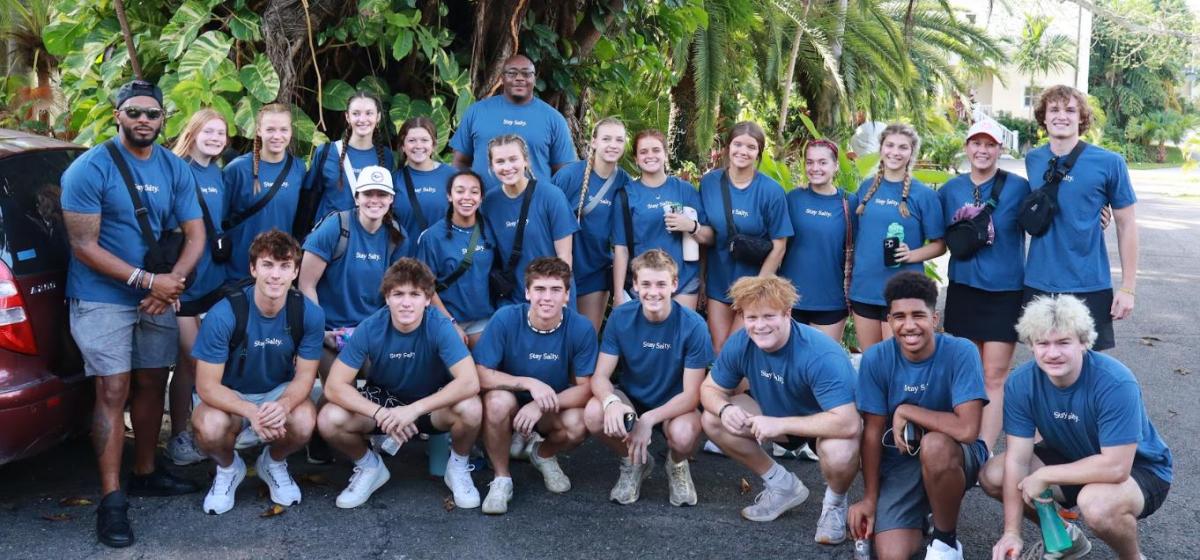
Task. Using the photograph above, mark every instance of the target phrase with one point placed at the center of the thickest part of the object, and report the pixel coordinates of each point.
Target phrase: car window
(32, 236)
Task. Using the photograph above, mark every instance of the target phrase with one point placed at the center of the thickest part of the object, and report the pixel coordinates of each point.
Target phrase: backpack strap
(343, 241)
(295, 318)
(235, 361)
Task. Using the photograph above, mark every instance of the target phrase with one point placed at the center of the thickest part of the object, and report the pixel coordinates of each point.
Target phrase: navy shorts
(1154, 489)
(382, 397)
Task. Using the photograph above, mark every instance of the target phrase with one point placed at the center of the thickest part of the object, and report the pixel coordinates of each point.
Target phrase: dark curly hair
(548, 267)
(274, 244)
(408, 271)
(911, 285)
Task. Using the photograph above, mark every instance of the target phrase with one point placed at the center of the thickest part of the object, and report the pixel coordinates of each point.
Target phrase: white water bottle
(691, 248)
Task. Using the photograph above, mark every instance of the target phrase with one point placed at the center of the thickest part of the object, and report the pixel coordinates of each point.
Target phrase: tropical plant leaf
(189, 18)
(336, 95)
(260, 79)
(205, 54)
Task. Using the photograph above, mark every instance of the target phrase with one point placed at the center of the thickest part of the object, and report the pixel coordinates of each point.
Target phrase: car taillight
(16, 332)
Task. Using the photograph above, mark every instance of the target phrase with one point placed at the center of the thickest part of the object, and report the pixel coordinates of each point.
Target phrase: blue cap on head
(138, 88)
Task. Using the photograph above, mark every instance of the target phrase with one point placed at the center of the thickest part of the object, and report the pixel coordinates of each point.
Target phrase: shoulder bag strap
(412, 199)
(465, 263)
(139, 210)
(997, 188)
(1056, 178)
(295, 318)
(519, 241)
(730, 228)
(599, 196)
(627, 214)
(239, 217)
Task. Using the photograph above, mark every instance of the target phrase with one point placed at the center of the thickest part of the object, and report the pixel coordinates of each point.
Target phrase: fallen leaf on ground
(448, 503)
(1149, 340)
(1183, 371)
(1171, 412)
(251, 471)
(274, 510)
(744, 487)
(56, 517)
(314, 479)
(76, 501)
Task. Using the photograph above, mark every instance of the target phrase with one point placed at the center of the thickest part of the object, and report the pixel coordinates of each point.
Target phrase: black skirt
(981, 315)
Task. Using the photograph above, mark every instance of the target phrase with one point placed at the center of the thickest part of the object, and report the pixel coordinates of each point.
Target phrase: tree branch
(1130, 24)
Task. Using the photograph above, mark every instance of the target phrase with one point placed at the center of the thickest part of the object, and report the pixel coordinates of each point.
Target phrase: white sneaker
(458, 479)
(771, 503)
(516, 449)
(938, 550)
(552, 474)
(500, 492)
(220, 497)
(831, 527)
(710, 447)
(629, 484)
(246, 439)
(679, 480)
(182, 451)
(363, 483)
(284, 490)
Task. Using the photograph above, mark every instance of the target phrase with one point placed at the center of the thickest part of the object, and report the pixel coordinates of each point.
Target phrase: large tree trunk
(285, 29)
(682, 130)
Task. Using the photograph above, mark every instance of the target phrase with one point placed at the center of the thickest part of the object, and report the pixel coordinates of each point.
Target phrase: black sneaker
(112, 521)
(160, 483)
(317, 451)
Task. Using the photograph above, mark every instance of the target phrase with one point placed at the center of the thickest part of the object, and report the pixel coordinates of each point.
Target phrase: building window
(1031, 95)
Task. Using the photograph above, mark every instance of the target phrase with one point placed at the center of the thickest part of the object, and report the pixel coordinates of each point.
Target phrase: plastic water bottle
(895, 236)
(862, 549)
(1054, 531)
(439, 453)
(691, 247)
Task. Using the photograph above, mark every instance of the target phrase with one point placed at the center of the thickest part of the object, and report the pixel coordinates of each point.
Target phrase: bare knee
(991, 477)
(112, 390)
(593, 417)
(683, 434)
(469, 411)
(210, 425)
(572, 421)
(712, 425)
(303, 419)
(1104, 506)
(940, 453)
(839, 454)
(498, 407)
(332, 419)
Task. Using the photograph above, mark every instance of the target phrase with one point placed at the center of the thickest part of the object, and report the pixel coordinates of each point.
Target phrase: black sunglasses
(137, 112)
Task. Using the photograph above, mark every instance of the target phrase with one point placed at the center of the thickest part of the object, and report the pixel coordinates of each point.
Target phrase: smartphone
(890, 245)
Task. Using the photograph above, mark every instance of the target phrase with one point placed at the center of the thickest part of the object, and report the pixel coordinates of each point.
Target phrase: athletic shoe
(284, 490)
(458, 479)
(364, 482)
(679, 480)
(182, 450)
(710, 447)
(517, 449)
(552, 474)
(500, 492)
(831, 527)
(246, 439)
(771, 503)
(159, 483)
(1080, 546)
(806, 453)
(220, 497)
(629, 484)
(112, 521)
(938, 550)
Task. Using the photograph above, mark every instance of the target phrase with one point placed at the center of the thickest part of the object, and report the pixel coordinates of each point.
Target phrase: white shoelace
(461, 479)
(223, 481)
(279, 474)
(679, 482)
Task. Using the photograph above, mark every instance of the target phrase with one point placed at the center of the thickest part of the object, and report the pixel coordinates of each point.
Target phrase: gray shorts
(255, 399)
(474, 327)
(116, 338)
(902, 500)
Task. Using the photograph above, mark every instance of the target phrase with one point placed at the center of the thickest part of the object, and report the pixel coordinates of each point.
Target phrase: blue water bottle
(439, 453)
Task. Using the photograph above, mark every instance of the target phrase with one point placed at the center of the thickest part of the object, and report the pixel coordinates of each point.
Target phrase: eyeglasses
(527, 74)
(137, 112)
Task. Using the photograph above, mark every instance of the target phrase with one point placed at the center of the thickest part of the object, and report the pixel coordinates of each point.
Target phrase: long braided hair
(911, 133)
(450, 207)
(376, 136)
(274, 108)
(591, 160)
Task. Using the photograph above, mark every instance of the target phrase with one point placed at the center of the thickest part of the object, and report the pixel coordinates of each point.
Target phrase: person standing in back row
(516, 111)
(1071, 257)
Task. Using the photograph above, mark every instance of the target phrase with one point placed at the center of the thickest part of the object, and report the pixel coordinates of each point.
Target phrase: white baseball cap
(987, 127)
(375, 178)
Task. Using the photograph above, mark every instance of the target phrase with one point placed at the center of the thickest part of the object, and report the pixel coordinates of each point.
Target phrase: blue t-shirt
(268, 345)
(349, 288)
(1072, 255)
(412, 365)
(278, 213)
(209, 275)
(760, 210)
(93, 185)
(952, 376)
(1001, 266)
(1103, 408)
(335, 199)
(816, 255)
(654, 355)
(810, 374)
(549, 219)
(591, 254)
(510, 345)
(649, 231)
(542, 127)
(430, 188)
(924, 221)
(467, 299)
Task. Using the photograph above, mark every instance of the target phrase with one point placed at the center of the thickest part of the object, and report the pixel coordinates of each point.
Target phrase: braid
(904, 194)
(342, 157)
(583, 189)
(449, 218)
(377, 139)
(862, 204)
(389, 219)
(254, 166)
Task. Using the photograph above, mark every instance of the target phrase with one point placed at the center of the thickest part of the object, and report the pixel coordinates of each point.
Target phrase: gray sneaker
(679, 479)
(556, 480)
(1080, 546)
(500, 491)
(831, 527)
(771, 503)
(182, 450)
(629, 484)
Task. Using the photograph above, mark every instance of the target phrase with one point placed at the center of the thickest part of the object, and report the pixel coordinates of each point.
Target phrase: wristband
(695, 227)
(1129, 291)
(609, 400)
(721, 412)
(151, 285)
(132, 276)
(376, 413)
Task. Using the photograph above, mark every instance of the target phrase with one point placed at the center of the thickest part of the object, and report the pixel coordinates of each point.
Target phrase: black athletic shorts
(382, 397)
(982, 315)
(1154, 489)
(201, 304)
(869, 310)
(819, 317)
(1099, 303)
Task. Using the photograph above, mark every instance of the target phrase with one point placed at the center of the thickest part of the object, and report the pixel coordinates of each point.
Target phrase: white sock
(369, 460)
(267, 455)
(833, 498)
(458, 460)
(232, 464)
(777, 476)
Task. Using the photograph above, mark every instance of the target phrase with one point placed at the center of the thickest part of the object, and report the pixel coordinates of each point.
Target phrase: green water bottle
(1054, 531)
(895, 236)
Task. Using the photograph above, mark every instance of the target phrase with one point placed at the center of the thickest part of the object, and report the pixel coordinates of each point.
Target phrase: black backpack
(293, 310)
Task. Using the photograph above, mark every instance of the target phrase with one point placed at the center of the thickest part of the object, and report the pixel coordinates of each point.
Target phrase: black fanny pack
(1040, 206)
(967, 236)
(161, 253)
(746, 249)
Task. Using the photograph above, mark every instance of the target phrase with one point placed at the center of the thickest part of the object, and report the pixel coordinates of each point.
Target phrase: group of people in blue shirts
(475, 297)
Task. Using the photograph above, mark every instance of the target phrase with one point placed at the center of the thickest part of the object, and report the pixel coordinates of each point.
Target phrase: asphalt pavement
(410, 518)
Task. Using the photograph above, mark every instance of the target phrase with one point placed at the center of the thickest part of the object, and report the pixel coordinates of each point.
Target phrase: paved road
(407, 517)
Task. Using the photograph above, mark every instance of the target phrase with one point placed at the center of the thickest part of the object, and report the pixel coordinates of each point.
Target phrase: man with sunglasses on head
(516, 111)
(123, 316)
(921, 397)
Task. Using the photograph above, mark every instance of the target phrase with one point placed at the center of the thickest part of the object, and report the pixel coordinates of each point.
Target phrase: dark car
(44, 396)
